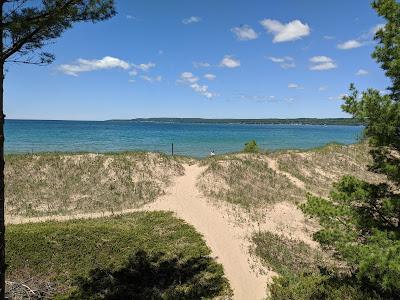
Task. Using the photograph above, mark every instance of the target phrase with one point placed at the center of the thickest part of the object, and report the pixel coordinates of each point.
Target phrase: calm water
(189, 139)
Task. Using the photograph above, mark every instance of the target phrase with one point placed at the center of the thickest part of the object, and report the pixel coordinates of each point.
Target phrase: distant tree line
(300, 121)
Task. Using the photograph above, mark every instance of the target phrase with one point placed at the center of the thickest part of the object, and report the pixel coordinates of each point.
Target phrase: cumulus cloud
(202, 90)
(85, 65)
(291, 31)
(362, 72)
(229, 62)
(210, 76)
(284, 62)
(350, 44)
(362, 40)
(201, 64)
(190, 20)
(145, 67)
(244, 33)
(188, 77)
(322, 63)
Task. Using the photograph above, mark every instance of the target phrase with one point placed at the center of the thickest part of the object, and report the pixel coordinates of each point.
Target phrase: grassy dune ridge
(63, 183)
(319, 168)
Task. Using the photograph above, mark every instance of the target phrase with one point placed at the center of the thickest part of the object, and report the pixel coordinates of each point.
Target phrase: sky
(209, 59)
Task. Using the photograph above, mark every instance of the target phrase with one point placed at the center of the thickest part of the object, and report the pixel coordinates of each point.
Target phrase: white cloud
(362, 72)
(210, 76)
(350, 44)
(202, 90)
(291, 31)
(284, 62)
(190, 20)
(145, 67)
(294, 86)
(130, 17)
(188, 77)
(329, 37)
(151, 79)
(84, 65)
(322, 63)
(201, 64)
(244, 33)
(229, 62)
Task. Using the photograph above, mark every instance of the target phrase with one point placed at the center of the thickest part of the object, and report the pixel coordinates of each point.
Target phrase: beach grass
(286, 255)
(246, 180)
(64, 183)
(320, 167)
(56, 254)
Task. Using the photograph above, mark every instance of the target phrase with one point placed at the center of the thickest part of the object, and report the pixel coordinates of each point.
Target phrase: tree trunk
(2, 199)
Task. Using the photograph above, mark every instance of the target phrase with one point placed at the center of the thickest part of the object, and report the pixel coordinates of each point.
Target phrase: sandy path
(227, 241)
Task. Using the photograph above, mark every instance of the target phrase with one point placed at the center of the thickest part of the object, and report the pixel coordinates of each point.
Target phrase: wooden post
(172, 149)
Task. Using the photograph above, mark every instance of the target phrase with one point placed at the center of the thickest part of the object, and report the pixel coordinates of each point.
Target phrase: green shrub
(251, 147)
(154, 276)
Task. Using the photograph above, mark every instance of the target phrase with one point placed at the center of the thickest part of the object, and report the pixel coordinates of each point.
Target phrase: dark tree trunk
(2, 200)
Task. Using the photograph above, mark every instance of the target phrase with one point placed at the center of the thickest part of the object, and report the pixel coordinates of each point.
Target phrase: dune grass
(284, 255)
(62, 183)
(57, 253)
(319, 168)
(246, 180)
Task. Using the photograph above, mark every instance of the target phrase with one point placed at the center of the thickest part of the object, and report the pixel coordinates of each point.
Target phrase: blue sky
(213, 59)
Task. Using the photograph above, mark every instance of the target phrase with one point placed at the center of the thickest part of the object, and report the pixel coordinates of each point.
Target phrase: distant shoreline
(266, 121)
(271, 121)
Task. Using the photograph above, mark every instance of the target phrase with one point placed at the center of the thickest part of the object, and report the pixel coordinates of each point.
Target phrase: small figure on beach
(212, 153)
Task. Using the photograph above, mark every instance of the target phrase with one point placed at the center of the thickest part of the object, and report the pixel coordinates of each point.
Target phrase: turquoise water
(25, 136)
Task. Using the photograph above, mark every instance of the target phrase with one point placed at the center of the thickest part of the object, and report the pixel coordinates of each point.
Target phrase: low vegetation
(319, 168)
(56, 183)
(286, 256)
(144, 253)
(246, 180)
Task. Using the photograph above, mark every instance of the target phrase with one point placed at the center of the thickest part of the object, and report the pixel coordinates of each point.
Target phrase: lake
(26, 136)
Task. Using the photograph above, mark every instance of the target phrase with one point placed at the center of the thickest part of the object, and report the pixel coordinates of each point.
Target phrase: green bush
(318, 286)
(251, 147)
(154, 276)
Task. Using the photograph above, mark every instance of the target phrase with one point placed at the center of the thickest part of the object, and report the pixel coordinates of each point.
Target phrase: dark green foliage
(387, 53)
(251, 147)
(154, 276)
